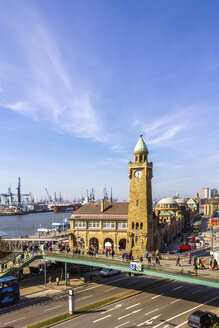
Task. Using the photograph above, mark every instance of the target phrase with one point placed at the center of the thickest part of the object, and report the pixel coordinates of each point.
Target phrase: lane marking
(136, 311)
(81, 298)
(4, 324)
(107, 290)
(107, 316)
(116, 280)
(123, 324)
(151, 311)
(131, 306)
(115, 308)
(176, 301)
(178, 315)
(197, 291)
(177, 287)
(55, 307)
(182, 324)
(156, 296)
(149, 321)
(131, 282)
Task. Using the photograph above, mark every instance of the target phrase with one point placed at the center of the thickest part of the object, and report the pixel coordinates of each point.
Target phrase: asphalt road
(166, 306)
(43, 306)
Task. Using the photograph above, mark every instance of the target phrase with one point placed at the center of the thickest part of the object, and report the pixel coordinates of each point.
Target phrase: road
(149, 309)
(52, 304)
(166, 306)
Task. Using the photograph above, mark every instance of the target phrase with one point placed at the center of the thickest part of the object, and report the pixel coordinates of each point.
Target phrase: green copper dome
(140, 146)
(168, 200)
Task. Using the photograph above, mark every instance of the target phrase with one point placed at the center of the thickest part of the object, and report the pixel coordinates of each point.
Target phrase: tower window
(137, 225)
(136, 239)
(137, 203)
(133, 225)
(141, 225)
(140, 158)
(136, 158)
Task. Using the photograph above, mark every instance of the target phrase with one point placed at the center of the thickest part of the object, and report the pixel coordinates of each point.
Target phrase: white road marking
(116, 280)
(197, 291)
(123, 324)
(107, 290)
(116, 307)
(149, 321)
(176, 301)
(107, 316)
(182, 324)
(55, 307)
(152, 311)
(81, 298)
(131, 306)
(136, 311)
(190, 310)
(131, 282)
(166, 326)
(4, 324)
(156, 296)
(177, 287)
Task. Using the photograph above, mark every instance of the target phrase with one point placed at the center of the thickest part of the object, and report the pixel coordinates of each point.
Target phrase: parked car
(109, 272)
(201, 319)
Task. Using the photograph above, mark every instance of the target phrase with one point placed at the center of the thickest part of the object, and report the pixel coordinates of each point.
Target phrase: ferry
(61, 226)
(43, 230)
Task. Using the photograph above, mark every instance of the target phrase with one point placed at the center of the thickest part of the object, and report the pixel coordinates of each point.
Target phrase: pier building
(131, 225)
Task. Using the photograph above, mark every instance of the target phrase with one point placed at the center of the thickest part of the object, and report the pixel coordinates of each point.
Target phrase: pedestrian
(50, 280)
(113, 253)
(178, 261)
(189, 258)
(2, 267)
(195, 269)
(146, 255)
(202, 263)
(157, 259)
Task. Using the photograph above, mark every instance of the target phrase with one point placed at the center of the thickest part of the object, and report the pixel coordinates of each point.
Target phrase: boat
(61, 226)
(43, 230)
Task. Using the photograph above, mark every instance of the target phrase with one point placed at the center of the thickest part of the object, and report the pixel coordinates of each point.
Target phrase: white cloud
(47, 91)
(162, 130)
(165, 136)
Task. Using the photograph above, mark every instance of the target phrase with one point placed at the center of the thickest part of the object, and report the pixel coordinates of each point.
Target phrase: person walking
(178, 261)
(202, 263)
(189, 258)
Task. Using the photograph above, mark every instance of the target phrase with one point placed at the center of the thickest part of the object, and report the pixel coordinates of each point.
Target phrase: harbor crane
(48, 195)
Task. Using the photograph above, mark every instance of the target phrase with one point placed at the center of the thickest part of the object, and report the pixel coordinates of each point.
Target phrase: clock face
(138, 174)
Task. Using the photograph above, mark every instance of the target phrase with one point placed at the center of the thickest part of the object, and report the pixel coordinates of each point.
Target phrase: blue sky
(80, 80)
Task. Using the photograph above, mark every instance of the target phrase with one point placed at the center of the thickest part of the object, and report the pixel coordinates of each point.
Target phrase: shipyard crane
(48, 195)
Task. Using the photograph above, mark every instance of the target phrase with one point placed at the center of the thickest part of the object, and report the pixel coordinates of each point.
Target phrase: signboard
(135, 266)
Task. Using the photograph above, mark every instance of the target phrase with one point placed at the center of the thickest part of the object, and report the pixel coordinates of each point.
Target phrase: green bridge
(166, 270)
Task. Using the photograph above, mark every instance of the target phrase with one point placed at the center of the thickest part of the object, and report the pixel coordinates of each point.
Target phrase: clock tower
(140, 213)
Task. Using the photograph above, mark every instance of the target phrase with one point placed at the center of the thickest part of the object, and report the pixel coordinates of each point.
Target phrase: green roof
(167, 200)
(165, 213)
(141, 146)
(180, 200)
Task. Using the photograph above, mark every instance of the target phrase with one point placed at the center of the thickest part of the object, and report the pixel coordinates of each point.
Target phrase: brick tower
(140, 214)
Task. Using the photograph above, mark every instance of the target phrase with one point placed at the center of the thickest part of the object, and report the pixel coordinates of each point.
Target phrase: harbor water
(26, 225)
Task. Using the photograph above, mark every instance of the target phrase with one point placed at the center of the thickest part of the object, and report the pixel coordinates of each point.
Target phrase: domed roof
(140, 146)
(168, 200)
(180, 201)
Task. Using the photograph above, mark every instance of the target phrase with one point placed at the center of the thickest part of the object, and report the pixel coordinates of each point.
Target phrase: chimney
(102, 205)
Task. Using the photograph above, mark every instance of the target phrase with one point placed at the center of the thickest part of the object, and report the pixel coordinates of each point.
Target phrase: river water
(25, 225)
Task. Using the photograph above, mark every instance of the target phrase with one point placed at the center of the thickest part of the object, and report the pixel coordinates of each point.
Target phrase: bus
(9, 291)
(196, 226)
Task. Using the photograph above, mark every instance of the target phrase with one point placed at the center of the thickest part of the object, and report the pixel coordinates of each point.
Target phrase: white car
(109, 272)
